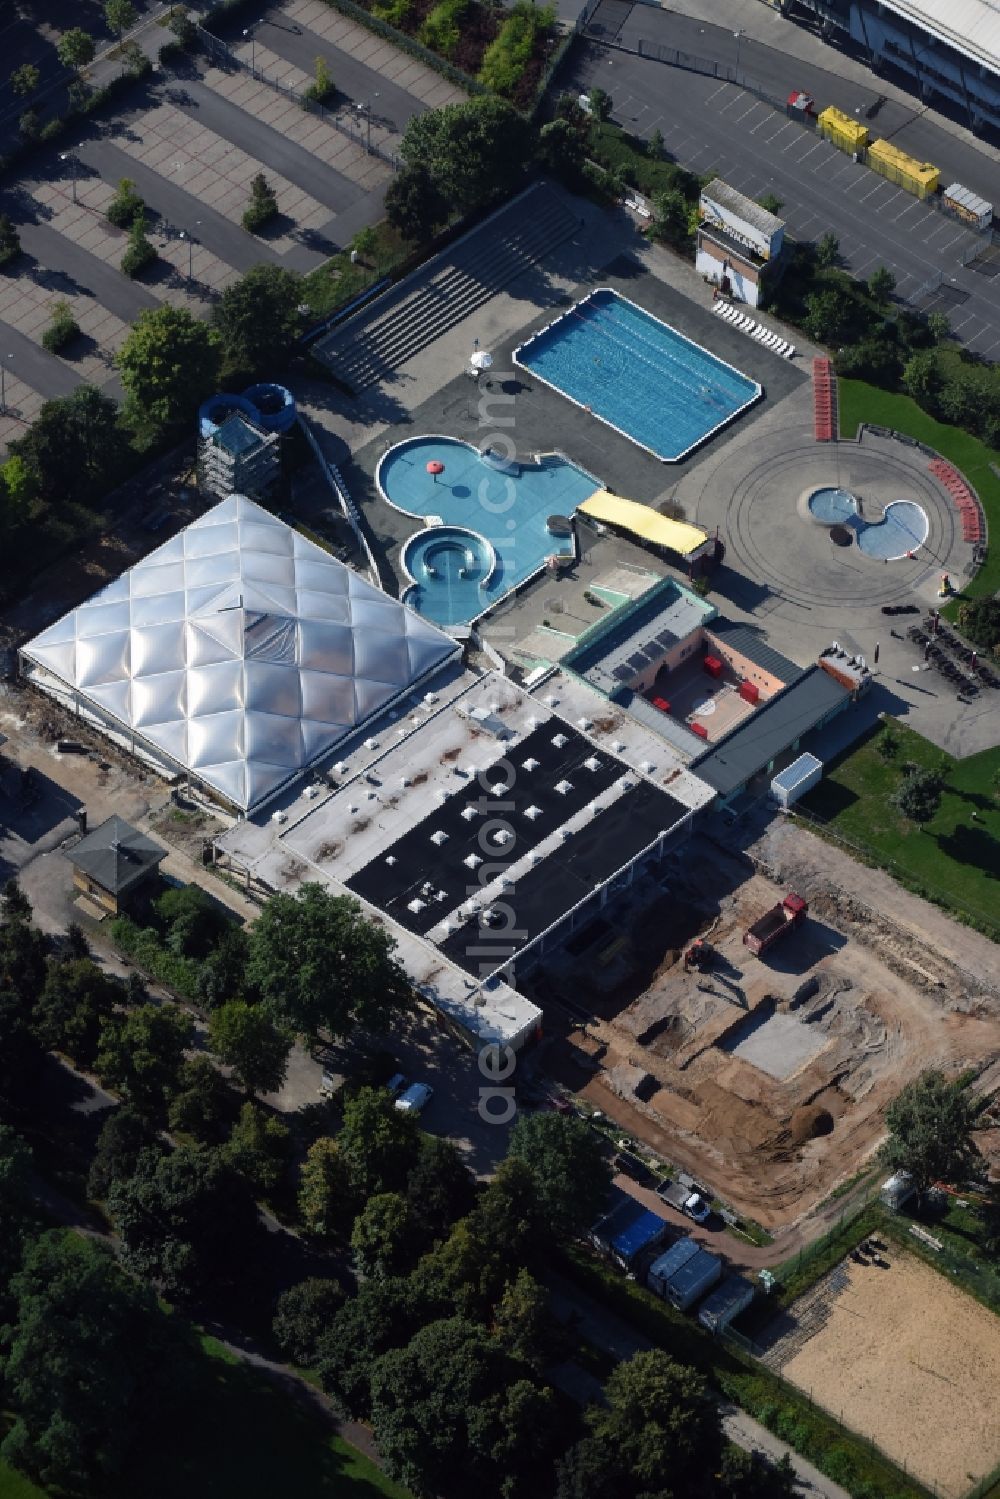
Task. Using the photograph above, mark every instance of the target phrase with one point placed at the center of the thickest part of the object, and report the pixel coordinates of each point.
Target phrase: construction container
(669, 1263)
(690, 1281)
(750, 692)
(796, 779)
(843, 131)
(713, 666)
(733, 1296)
(897, 1190)
(965, 205)
(919, 177)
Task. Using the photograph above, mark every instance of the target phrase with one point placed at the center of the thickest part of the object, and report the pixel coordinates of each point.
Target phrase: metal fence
(354, 123)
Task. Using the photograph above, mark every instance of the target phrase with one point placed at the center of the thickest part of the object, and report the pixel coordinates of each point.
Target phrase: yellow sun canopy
(641, 520)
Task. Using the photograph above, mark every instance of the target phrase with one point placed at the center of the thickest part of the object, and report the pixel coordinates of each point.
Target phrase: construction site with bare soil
(766, 1077)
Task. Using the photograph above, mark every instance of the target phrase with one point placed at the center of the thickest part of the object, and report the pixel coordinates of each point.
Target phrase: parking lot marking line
(769, 120)
(815, 147)
(957, 327)
(715, 92)
(743, 116)
(869, 195)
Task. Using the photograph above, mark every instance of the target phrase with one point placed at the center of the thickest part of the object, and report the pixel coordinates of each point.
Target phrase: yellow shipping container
(920, 177)
(843, 131)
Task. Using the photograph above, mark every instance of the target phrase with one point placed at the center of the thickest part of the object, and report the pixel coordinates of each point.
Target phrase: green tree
(452, 1411)
(440, 1187)
(567, 1160)
(259, 1148)
(74, 448)
(826, 315)
(918, 796)
(25, 80)
(140, 251)
(123, 1137)
(263, 205)
(193, 921)
(221, 974)
(980, 620)
(303, 1314)
(655, 145)
(671, 216)
(182, 26)
(771, 203)
(938, 326)
(253, 1043)
(562, 150)
(168, 363)
(77, 999)
(19, 489)
(88, 1363)
(141, 1055)
(887, 744)
(204, 1105)
(379, 1144)
(16, 1206)
(413, 204)
(322, 87)
(881, 285)
(257, 318)
(366, 242)
(523, 1323)
(921, 379)
(930, 1124)
(187, 1223)
(749, 1475)
(828, 251)
(383, 1315)
(75, 48)
(120, 16)
(385, 1237)
(322, 964)
(125, 204)
(601, 104)
(30, 124)
(326, 1200)
(473, 151)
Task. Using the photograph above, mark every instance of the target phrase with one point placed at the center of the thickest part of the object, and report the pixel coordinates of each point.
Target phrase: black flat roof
(400, 874)
(586, 860)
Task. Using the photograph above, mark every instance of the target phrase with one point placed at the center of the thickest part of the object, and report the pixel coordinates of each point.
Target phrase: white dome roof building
(239, 652)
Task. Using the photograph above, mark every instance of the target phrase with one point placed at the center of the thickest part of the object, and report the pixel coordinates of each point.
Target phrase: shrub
(62, 329)
(263, 205)
(139, 252)
(10, 240)
(396, 12)
(29, 124)
(124, 206)
(506, 58)
(980, 621)
(441, 30)
(322, 86)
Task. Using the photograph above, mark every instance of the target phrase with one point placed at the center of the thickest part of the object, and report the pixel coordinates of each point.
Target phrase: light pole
(366, 109)
(3, 384)
(739, 35)
(250, 31)
(65, 156)
(183, 234)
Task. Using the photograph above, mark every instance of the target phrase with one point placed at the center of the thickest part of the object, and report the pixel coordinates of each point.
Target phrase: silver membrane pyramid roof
(240, 650)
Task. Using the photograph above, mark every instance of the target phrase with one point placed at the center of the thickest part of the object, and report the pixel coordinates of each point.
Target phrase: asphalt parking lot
(711, 126)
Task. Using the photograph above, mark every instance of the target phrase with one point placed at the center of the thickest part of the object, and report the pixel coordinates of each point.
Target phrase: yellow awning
(641, 520)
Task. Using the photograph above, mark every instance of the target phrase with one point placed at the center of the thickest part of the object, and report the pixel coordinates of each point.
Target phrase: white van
(415, 1099)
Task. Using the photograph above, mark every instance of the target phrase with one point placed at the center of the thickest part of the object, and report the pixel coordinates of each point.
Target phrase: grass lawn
(240, 1436)
(336, 281)
(955, 859)
(860, 402)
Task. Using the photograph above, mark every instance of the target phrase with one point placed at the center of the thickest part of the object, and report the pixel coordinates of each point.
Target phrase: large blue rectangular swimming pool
(637, 374)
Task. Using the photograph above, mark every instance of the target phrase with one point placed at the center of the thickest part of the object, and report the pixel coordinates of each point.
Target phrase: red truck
(782, 918)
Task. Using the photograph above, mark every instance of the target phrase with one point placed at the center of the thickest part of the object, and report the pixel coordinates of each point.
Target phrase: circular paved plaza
(755, 496)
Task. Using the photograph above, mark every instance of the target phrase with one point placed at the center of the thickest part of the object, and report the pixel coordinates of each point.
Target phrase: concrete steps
(376, 341)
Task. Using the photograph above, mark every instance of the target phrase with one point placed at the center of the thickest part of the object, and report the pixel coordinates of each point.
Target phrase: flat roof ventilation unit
(564, 787)
(559, 740)
(532, 813)
(472, 861)
(439, 837)
(592, 762)
(530, 764)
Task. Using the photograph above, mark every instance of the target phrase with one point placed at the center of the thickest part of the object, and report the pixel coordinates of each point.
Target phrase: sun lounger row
(754, 329)
(966, 503)
(823, 398)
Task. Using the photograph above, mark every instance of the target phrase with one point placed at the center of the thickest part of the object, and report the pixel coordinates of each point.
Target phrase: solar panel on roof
(667, 638)
(638, 661)
(652, 647)
(622, 673)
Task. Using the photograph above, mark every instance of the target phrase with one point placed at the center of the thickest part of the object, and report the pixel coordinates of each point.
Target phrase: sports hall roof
(972, 27)
(240, 651)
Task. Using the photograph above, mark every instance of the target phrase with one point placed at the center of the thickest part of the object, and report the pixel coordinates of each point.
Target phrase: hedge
(143, 946)
(406, 44)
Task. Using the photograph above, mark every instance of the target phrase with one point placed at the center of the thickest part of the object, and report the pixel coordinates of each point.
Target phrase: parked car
(415, 1098)
(697, 1208)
